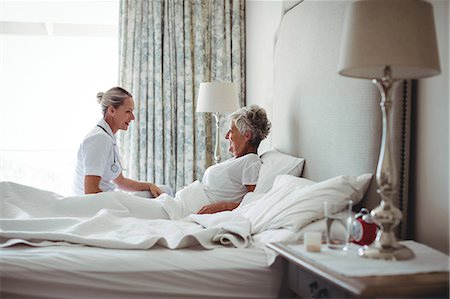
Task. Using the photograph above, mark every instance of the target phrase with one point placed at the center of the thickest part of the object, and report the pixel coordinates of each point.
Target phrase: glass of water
(338, 216)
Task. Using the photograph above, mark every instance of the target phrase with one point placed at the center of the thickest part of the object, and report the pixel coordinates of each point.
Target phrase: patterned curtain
(167, 47)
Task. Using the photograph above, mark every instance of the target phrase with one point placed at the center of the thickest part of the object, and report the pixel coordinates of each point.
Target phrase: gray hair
(254, 119)
(115, 97)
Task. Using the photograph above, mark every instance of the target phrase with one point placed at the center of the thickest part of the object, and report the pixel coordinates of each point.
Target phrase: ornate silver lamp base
(386, 215)
(392, 253)
(386, 247)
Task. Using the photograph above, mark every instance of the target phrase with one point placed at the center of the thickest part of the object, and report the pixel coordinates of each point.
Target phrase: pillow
(251, 197)
(285, 179)
(275, 163)
(289, 204)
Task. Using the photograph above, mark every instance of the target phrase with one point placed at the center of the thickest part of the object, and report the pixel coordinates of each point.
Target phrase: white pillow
(285, 179)
(275, 163)
(289, 204)
(250, 197)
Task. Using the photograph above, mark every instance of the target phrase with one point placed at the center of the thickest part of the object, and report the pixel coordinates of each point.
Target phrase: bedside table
(309, 279)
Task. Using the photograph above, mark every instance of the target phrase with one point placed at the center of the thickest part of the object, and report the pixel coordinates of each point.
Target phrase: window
(54, 58)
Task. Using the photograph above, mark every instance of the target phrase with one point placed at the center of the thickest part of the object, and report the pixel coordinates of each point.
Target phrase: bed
(324, 126)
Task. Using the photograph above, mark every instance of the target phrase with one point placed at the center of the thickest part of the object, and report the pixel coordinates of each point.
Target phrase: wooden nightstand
(309, 279)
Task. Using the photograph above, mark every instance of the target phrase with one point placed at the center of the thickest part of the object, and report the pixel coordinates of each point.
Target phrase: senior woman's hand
(154, 190)
(218, 207)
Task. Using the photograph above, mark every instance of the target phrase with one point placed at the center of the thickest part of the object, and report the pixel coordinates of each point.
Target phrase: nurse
(98, 167)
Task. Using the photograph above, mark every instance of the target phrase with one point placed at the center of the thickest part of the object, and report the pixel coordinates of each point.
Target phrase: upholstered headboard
(333, 122)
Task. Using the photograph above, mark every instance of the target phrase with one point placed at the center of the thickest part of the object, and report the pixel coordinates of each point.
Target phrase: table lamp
(388, 41)
(217, 97)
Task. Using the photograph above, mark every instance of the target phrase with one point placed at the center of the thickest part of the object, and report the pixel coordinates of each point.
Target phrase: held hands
(218, 207)
(154, 190)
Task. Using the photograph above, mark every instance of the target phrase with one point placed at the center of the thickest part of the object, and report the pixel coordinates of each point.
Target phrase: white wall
(430, 189)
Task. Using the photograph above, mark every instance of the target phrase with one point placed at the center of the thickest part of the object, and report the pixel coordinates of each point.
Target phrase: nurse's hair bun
(99, 97)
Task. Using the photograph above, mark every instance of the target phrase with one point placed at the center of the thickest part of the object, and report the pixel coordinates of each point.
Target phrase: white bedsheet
(87, 272)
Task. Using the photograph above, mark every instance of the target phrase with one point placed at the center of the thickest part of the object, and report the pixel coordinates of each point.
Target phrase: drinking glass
(338, 215)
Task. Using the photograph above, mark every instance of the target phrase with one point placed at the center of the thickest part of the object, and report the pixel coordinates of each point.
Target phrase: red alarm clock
(364, 230)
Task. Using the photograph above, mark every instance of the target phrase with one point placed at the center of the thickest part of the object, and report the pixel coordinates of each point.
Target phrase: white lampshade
(217, 97)
(396, 33)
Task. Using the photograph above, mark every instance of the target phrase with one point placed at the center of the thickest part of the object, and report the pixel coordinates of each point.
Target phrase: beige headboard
(333, 122)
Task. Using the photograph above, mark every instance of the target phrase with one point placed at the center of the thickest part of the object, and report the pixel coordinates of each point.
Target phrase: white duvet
(113, 220)
(120, 220)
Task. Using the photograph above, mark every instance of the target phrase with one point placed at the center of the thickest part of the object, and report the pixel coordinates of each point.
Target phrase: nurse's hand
(154, 190)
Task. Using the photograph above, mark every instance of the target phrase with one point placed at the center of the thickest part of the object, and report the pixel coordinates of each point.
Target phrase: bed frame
(334, 122)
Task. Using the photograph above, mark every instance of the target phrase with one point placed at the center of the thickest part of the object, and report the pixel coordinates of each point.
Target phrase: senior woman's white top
(226, 180)
(97, 154)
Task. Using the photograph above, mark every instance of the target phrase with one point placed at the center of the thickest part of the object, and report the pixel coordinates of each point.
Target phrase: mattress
(90, 272)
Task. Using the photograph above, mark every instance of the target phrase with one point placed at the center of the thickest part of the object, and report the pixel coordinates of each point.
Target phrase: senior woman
(98, 165)
(229, 181)
(225, 184)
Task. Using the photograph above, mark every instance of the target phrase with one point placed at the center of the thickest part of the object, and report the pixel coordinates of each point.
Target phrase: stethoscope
(114, 167)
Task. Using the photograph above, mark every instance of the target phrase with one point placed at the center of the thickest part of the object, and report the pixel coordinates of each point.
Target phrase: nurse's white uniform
(98, 155)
